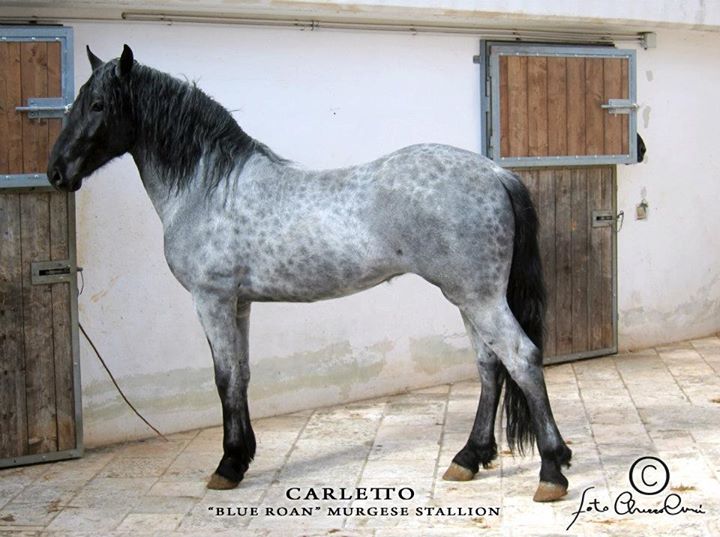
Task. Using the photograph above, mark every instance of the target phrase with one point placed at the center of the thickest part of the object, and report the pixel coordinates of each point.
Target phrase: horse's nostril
(56, 177)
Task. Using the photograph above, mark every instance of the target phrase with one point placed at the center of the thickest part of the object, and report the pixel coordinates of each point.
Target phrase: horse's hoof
(218, 482)
(549, 492)
(455, 472)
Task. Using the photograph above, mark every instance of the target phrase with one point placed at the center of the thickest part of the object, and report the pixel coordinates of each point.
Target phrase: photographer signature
(643, 478)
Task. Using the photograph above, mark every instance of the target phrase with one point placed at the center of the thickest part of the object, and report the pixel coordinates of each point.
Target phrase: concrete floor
(663, 402)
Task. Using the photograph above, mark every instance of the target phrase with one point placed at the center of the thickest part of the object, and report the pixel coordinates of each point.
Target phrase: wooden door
(578, 255)
(39, 373)
(561, 106)
(562, 118)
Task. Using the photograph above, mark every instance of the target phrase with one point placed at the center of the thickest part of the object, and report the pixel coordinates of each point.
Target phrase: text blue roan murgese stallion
(243, 225)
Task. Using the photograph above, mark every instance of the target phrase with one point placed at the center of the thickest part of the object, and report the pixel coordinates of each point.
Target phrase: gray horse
(243, 225)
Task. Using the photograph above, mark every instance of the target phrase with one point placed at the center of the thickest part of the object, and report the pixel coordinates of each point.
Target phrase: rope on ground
(135, 410)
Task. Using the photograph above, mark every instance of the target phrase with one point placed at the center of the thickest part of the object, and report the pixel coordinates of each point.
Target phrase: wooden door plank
(563, 260)
(5, 106)
(13, 417)
(625, 92)
(537, 67)
(11, 155)
(38, 329)
(59, 250)
(504, 111)
(595, 264)
(64, 395)
(579, 226)
(54, 85)
(546, 214)
(557, 106)
(606, 176)
(33, 58)
(518, 105)
(600, 275)
(594, 114)
(576, 128)
(612, 81)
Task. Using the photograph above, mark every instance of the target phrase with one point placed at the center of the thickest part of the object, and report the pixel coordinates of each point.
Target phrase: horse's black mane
(179, 124)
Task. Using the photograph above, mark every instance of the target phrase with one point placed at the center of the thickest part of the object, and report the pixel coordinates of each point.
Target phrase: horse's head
(100, 125)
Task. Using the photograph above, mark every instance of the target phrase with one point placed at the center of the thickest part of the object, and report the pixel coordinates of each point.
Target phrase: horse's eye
(97, 106)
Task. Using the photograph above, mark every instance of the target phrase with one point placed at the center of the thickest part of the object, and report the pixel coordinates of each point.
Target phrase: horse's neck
(166, 199)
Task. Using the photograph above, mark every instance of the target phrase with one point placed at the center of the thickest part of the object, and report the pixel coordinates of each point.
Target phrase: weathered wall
(333, 98)
(669, 264)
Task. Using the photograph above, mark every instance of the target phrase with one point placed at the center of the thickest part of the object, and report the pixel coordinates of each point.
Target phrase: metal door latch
(607, 218)
(602, 218)
(45, 107)
(620, 106)
(46, 272)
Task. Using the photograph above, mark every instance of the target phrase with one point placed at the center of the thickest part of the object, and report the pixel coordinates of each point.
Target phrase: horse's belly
(313, 279)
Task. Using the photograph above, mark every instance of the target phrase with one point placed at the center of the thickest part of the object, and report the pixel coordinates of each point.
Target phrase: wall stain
(97, 296)
(168, 391)
(696, 317)
(433, 354)
(192, 390)
(338, 366)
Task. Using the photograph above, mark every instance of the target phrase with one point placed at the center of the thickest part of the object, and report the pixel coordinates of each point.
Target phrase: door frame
(489, 120)
(28, 182)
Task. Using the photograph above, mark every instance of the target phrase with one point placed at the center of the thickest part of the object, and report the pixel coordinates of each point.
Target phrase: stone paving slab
(662, 402)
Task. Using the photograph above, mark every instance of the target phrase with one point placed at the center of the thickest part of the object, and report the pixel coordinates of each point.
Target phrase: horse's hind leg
(480, 448)
(500, 331)
(225, 321)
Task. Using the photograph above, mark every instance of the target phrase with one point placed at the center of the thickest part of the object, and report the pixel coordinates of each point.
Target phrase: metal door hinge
(46, 272)
(620, 106)
(45, 107)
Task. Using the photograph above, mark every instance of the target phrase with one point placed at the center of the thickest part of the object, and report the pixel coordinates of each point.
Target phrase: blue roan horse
(242, 225)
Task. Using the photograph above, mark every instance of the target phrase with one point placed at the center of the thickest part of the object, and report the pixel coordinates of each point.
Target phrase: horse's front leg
(225, 320)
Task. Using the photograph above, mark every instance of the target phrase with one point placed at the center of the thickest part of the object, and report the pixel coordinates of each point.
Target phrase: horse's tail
(526, 298)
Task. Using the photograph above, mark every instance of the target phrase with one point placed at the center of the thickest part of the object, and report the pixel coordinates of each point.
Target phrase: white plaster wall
(333, 98)
(669, 264)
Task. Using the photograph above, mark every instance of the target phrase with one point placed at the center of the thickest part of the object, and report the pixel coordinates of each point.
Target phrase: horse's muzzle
(59, 180)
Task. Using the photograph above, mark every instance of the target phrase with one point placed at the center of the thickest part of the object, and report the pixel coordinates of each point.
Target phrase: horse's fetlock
(232, 469)
(474, 454)
(560, 455)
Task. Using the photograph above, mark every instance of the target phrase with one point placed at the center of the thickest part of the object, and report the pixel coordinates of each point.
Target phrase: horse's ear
(126, 61)
(95, 62)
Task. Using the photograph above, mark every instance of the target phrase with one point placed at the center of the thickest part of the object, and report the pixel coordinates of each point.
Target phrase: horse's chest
(203, 257)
